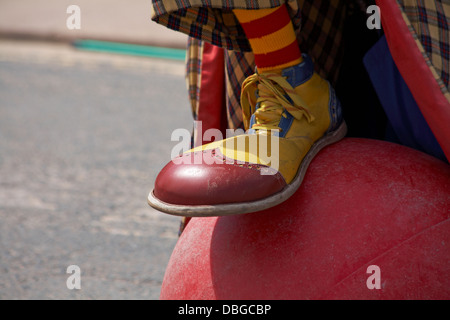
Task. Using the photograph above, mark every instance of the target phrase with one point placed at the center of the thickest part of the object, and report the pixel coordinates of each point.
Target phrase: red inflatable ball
(371, 221)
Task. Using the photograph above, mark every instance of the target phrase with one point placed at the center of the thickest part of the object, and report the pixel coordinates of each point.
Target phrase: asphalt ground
(82, 138)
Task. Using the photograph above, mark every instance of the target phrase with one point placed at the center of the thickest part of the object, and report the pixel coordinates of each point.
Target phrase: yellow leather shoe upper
(265, 100)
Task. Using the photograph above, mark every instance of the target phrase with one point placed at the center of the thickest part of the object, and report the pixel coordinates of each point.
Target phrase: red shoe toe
(187, 183)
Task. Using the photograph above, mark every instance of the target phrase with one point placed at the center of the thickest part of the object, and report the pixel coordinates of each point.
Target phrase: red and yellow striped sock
(271, 36)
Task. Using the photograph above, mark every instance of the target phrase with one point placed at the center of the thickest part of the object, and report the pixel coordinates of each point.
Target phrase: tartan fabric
(239, 66)
(428, 22)
(193, 73)
(321, 34)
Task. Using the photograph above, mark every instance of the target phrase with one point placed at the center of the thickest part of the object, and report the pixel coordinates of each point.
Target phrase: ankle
(272, 37)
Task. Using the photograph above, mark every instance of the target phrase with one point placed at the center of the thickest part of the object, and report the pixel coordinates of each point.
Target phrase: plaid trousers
(318, 25)
(429, 22)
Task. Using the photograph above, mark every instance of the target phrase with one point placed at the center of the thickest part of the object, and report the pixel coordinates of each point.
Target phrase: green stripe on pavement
(131, 49)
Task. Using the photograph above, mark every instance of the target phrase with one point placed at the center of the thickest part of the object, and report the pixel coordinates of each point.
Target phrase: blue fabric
(285, 124)
(300, 73)
(407, 125)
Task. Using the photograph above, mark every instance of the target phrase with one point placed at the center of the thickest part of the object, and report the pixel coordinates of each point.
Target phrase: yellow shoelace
(272, 90)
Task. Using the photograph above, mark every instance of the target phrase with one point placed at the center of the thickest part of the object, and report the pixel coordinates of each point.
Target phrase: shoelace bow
(272, 90)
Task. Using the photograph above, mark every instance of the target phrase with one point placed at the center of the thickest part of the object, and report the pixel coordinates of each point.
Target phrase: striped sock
(271, 36)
